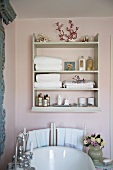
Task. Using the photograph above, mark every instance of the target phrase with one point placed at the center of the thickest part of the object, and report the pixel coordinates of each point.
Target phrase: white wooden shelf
(67, 89)
(68, 72)
(65, 44)
(38, 49)
(65, 109)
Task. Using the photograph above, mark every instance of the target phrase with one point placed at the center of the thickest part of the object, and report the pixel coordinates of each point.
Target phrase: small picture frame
(69, 66)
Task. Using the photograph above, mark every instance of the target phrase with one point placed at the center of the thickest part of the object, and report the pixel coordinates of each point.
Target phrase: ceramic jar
(95, 152)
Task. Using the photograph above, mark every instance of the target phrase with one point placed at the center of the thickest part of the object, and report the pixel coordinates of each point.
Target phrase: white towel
(60, 136)
(73, 138)
(42, 137)
(48, 84)
(79, 139)
(47, 77)
(31, 138)
(86, 84)
(47, 59)
(70, 138)
(48, 67)
(82, 86)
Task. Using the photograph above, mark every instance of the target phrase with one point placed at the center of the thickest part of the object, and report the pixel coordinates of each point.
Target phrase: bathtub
(60, 158)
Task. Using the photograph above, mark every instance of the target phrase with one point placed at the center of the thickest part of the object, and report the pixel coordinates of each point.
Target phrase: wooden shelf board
(67, 72)
(65, 44)
(65, 109)
(67, 89)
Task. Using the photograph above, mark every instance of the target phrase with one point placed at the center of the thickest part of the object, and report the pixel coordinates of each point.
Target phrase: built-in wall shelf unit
(56, 71)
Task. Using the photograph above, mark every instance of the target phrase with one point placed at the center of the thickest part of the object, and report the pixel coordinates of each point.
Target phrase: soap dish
(107, 161)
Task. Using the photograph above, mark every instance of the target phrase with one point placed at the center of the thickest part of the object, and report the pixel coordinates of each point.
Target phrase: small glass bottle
(45, 102)
(36, 100)
(59, 102)
(82, 64)
(40, 100)
(89, 64)
(48, 99)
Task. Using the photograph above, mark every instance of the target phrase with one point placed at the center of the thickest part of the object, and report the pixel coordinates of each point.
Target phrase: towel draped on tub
(70, 137)
(40, 138)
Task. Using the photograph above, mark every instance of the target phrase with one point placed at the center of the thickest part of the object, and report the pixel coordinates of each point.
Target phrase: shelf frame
(95, 46)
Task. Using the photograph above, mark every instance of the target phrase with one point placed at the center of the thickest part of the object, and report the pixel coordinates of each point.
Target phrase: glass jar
(89, 64)
(82, 64)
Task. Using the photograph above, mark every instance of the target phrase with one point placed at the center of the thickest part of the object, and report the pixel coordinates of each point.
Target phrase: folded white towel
(60, 136)
(74, 138)
(46, 59)
(72, 82)
(54, 67)
(79, 139)
(31, 138)
(70, 138)
(86, 84)
(56, 84)
(42, 137)
(47, 77)
(82, 86)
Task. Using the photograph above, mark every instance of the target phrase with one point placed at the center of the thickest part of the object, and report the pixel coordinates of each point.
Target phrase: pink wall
(21, 77)
(96, 122)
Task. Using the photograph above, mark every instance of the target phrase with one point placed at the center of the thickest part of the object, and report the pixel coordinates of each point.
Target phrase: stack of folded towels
(43, 63)
(48, 81)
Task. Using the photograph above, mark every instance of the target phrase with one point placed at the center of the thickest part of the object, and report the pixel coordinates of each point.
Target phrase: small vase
(95, 152)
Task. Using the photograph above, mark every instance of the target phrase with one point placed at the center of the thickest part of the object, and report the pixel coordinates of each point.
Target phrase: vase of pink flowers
(95, 144)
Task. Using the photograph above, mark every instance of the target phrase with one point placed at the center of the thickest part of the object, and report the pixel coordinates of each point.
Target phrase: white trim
(111, 111)
(54, 138)
(52, 135)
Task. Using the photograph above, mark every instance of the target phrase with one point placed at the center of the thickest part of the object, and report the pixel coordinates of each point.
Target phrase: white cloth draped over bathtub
(40, 138)
(31, 138)
(61, 136)
(70, 137)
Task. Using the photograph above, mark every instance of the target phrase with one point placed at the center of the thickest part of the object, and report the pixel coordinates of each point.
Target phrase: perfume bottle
(40, 100)
(82, 64)
(89, 64)
(59, 100)
(36, 100)
(45, 101)
(48, 99)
